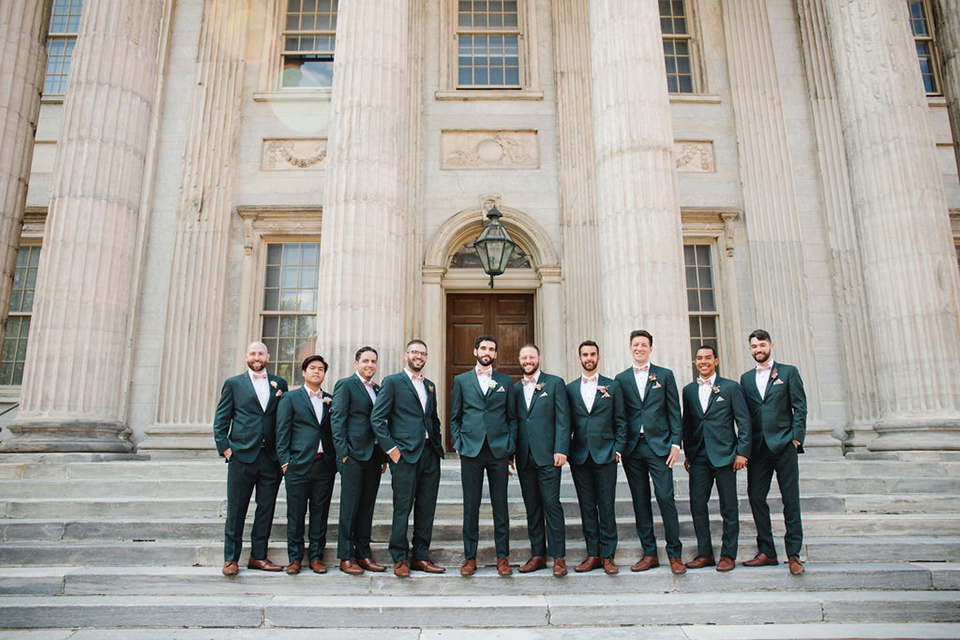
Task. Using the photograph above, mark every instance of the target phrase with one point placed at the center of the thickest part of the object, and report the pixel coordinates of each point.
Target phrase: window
(308, 39)
(488, 44)
(921, 25)
(289, 318)
(467, 257)
(18, 319)
(701, 297)
(677, 46)
(61, 38)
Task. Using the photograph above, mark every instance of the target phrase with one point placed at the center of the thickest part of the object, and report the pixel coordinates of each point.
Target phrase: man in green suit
(360, 462)
(715, 450)
(483, 425)
(778, 410)
(652, 448)
(599, 431)
(306, 451)
(408, 429)
(244, 429)
(543, 441)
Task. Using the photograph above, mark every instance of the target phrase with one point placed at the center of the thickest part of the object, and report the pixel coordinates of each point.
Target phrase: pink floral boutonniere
(716, 390)
(603, 391)
(429, 388)
(653, 377)
(773, 374)
(279, 393)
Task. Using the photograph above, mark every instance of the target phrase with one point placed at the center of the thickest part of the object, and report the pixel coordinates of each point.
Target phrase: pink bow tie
(590, 379)
(701, 381)
(417, 377)
(368, 383)
(315, 394)
(764, 367)
(637, 369)
(527, 381)
(260, 376)
(484, 372)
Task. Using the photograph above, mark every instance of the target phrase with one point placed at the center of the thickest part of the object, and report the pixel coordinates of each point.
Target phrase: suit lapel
(649, 384)
(248, 385)
(536, 394)
(305, 399)
(363, 388)
(713, 396)
(413, 389)
(770, 381)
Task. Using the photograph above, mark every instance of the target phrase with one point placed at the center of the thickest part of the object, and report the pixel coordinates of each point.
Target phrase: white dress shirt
(705, 389)
(261, 384)
(588, 390)
(417, 380)
(369, 387)
(763, 377)
(484, 376)
(641, 375)
(316, 399)
(530, 387)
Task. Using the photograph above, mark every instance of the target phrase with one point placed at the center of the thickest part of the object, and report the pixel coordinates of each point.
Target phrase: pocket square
(656, 386)
(501, 390)
(544, 394)
(776, 382)
(720, 399)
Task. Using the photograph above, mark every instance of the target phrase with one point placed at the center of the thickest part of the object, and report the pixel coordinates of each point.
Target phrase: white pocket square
(544, 394)
(656, 386)
(720, 399)
(776, 382)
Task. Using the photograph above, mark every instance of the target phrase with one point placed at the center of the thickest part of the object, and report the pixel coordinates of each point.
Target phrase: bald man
(245, 430)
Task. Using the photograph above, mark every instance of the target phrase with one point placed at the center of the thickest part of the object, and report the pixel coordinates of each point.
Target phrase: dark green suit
(400, 420)
(779, 418)
(711, 444)
(354, 438)
(243, 426)
(310, 476)
(654, 427)
(484, 431)
(543, 429)
(597, 436)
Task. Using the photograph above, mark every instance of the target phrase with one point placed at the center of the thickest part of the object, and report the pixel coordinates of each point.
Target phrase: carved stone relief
(693, 156)
(489, 150)
(293, 155)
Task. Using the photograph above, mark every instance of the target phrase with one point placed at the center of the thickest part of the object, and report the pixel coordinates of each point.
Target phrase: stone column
(362, 252)
(23, 31)
(189, 381)
(578, 216)
(909, 263)
(947, 25)
(75, 386)
(638, 217)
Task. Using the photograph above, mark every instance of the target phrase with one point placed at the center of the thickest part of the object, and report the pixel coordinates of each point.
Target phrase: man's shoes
(293, 568)
(726, 564)
(760, 560)
(263, 565)
(230, 568)
(646, 562)
(503, 567)
(589, 564)
(401, 569)
(677, 566)
(369, 564)
(610, 567)
(318, 567)
(426, 565)
(351, 566)
(468, 567)
(700, 562)
(796, 567)
(559, 567)
(533, 564)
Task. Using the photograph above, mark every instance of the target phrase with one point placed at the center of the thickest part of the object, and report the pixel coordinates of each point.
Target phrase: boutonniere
(429, 388)
(327, 400)
(273, 383)
(716, 390)
(493, 385)
(279, 393)
(602, 390)
(773, 374)
(539, 387)
(653, 377)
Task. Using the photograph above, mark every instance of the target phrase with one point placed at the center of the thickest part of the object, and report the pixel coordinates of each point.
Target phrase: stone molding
(694, 156)
(293, 154)
(477, 149)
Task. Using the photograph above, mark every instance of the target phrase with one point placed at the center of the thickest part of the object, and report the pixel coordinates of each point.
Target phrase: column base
(822, 442)
(917, 435)
(67, 436)
(179, 441)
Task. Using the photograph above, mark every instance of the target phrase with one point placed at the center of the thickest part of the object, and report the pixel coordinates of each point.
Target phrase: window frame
(283, 33)
(931, 40)
(66, 37)
(692, 37)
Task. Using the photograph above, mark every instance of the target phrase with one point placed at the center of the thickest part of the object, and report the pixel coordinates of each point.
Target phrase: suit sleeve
(223, 418)
(381, 412)
(672, 401)
(798, 402)
(512, 417)
(339, 411)
(686, 420)
(742, 415)
(561, 412)
(621, 428)
(456, 414)
(434, 419)
(284, 429)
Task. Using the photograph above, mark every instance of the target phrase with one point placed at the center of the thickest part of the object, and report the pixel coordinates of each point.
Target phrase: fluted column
(947, 18)
(578, 216)
(189, 380)
(909, 263)
(74, 386)
(23, 31)
(638, 216)
(362, 282)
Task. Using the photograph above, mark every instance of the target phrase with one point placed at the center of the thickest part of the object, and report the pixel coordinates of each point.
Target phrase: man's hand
(511, 468)
(739, 463)
(227, 453)
(284, 467)
(383, 468)
(394, 454)
(686, 465)
(673, 456)
(796, 444)
(559, 459)
(344, 458)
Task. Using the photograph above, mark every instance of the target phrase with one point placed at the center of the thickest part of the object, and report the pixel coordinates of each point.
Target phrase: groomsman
(244, 428)
(599, 431)
(715, 452)
(778, 410)
(543, 441)
(306, 451)
(483, 424)
(360, 462)
(653, 446)
(405, 420)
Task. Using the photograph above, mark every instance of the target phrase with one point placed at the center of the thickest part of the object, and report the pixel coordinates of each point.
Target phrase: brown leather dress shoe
(401, 569)
(318, 567)
(350, 566)
(677, 566)
(610, 567)
(700, 562)
(263, 565)
(559, 567)
(503, 566)
(726, 564)
(796, 567)
(589, 564)
(293, 568)
(230, 568)
(533, 564)
(369, 564)
(426, 565)
(645, 563)
(760, 560)
(468, 567)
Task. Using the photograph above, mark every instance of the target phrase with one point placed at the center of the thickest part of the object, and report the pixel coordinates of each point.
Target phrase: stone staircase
(123, 542)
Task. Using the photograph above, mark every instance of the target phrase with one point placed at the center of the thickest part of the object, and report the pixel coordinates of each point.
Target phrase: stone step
(401, 611)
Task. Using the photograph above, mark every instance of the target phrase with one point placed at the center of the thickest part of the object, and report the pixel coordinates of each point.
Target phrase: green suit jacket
(658, 414)
(544, 428)
(399, 420)
(240, 424)
(299, 433)
(602, 431)
(350, 419)
(781, 415)
(712, 433)
(475, 417)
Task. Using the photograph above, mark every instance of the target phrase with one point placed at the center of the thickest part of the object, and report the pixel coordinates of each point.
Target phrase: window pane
(923, 35)
(488, 44)
(677, 52)
(701, 297)
(308, 44)
(14, 349)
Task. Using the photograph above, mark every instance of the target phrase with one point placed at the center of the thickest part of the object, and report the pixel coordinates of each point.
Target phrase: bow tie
(484, 372)
(637, 369)
(417, 377)
(701, 381)
(259, 376)
(764, 367)
(527, 381)
(315, 394)
(590, 379)
(368, 383)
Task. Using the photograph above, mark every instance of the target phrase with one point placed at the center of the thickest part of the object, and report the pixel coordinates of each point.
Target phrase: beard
(761, 357)
(415, 368)
(485, 360)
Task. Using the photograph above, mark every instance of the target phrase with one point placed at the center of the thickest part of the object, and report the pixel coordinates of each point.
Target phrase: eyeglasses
(417, 353)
